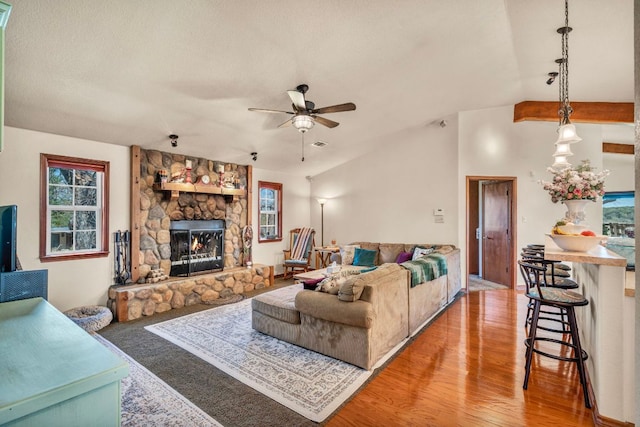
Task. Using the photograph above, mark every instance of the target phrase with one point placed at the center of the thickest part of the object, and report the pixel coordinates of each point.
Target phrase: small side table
(323, 255)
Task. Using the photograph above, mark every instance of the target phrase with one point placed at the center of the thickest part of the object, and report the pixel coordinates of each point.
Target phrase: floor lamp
(322, 202)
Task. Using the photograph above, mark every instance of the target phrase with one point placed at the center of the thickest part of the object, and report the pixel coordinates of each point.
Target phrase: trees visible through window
(270, 201)
(618, 222)
(74, 207)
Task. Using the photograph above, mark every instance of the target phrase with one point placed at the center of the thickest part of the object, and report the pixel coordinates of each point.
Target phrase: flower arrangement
(578, 183)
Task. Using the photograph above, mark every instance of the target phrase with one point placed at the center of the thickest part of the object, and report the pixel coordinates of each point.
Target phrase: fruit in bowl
(577, 243)
(568, 228)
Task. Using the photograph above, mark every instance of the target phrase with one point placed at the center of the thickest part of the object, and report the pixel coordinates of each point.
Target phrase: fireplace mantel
(177, 187)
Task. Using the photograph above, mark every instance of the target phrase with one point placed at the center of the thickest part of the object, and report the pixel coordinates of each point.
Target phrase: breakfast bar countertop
(598, 255)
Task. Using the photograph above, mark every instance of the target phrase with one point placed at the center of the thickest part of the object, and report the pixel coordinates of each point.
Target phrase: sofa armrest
(328, 307)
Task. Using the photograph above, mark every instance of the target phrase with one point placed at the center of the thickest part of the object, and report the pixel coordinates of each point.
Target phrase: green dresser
(53, 373)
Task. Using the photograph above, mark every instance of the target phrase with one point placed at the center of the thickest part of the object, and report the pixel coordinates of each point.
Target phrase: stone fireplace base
(136, 301)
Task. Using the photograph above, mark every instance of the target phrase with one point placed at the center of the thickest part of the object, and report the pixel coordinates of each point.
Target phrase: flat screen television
(8, 238)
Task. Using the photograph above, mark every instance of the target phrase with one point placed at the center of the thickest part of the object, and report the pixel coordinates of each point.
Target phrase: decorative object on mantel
(575, 187)
(567, 134)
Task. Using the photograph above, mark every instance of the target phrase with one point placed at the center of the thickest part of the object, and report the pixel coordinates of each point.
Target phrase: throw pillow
(311, 284)
(347, 253)
(351, 290)
(330, 285)
(364, 257)
(403, 257)
(420, 252)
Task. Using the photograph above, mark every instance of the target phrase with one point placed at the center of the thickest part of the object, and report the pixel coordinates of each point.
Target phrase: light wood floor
(466, 369)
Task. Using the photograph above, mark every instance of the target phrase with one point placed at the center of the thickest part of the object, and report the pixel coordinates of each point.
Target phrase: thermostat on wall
(437, 212)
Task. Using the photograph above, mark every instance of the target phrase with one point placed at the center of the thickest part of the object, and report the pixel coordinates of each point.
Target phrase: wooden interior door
(496, 237)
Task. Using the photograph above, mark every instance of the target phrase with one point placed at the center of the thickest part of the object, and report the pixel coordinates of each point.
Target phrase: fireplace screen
(196, 247)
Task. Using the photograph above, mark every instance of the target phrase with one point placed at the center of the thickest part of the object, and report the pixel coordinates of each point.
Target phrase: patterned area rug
(149, 401)
(307, 382)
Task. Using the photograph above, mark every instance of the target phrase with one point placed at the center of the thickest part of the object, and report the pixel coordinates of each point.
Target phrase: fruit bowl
(577, 243)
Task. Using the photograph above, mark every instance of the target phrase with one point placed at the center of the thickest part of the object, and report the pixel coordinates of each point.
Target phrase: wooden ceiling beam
(583, 112)
(616, 148)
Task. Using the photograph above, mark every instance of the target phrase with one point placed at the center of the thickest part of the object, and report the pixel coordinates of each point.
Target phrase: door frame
(470, 234)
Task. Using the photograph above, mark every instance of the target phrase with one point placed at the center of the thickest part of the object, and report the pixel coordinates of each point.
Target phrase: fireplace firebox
(196, 247)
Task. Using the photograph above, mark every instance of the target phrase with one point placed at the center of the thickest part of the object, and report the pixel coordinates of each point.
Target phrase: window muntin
(75, 208)
(270, 202)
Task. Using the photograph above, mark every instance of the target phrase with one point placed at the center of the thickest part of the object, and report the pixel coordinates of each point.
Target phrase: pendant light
(567, 134)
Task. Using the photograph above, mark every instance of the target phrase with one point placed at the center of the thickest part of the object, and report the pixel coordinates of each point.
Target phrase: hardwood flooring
(466, 369)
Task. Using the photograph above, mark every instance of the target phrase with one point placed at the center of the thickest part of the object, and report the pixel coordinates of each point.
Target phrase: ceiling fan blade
(264, 110)
(285, 124)
(349, 106)
(298, 100)
(326, 122)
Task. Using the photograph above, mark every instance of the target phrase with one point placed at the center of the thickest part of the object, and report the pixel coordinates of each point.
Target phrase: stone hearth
(135, 301)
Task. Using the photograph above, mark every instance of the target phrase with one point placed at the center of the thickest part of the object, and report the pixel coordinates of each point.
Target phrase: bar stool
(563, 299)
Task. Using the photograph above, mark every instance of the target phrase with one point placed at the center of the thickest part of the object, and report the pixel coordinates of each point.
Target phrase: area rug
(304, 381)
(149, 401)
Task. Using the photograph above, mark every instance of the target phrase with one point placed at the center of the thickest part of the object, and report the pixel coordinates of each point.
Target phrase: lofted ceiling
(134, 71)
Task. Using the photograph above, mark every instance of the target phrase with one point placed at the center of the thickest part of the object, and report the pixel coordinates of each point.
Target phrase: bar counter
(606, 327)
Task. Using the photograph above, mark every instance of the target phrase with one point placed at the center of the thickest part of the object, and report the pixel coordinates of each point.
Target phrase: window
(618, 222)
(74, 206)
(270, 201)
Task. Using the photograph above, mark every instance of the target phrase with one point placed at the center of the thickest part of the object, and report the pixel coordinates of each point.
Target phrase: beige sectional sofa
(360, 332)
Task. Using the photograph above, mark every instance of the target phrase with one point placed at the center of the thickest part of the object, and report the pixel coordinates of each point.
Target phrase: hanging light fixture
(302, 122)
(567, 134)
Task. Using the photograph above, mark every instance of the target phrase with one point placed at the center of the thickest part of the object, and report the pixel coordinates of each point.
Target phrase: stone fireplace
(160, 207)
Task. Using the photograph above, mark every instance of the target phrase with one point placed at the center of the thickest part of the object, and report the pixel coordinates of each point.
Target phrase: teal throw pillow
(364, 257)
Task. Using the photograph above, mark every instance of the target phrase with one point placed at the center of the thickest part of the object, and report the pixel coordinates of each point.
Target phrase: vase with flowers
(575, 187)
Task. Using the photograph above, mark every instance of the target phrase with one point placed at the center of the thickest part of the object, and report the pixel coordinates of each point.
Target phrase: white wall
(295, 213)
(389, 195)
(71, 283)
(491, 144)
(622, 177)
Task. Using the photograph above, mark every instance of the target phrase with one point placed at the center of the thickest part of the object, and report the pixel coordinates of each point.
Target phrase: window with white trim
(74, 206)
(270, 201)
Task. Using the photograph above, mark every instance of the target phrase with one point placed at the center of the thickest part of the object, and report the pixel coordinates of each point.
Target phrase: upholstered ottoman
(274, 313)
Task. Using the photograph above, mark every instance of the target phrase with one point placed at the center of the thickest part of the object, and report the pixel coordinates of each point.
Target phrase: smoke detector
(320, 144)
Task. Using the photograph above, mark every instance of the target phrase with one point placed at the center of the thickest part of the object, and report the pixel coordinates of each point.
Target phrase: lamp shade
(302, 122)
(563, 149)
(567, 134)
(560, 162)
(322, 201)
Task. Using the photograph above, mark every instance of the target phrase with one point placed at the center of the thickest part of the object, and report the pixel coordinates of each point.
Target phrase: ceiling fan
(305, 113)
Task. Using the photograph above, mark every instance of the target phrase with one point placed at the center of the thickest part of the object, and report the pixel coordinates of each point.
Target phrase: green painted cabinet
(54, 373)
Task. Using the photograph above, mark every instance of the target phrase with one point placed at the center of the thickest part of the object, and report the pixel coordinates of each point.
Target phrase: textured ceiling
(134, 71)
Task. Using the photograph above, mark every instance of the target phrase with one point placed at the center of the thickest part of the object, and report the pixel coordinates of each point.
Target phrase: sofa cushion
(328, 307)
(364, 257)
(347, 253)
(388, 252)
(277, 307)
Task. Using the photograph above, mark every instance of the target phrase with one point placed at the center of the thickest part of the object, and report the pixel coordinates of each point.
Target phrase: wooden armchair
(298, 256)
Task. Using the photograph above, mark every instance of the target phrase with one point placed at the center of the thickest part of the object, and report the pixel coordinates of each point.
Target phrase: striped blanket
(426, 268)
(301, 243)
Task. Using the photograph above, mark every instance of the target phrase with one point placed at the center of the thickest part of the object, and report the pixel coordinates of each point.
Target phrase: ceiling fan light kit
(302, 122)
